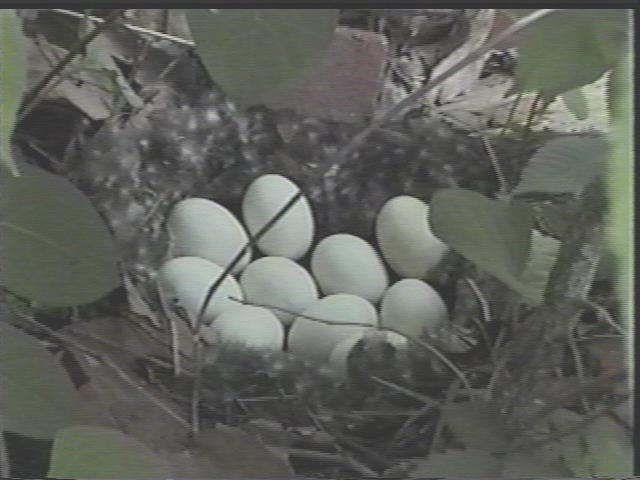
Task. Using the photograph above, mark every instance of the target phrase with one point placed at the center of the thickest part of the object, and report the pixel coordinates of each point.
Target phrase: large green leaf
(576, 103)
(37, 397)
(492, 234)
(569, 49)
(54, 248)
(98, 452)
(13, 70)
(252, 54)
(565, 165)
(620, 183)
(476, 424)
(473, 463)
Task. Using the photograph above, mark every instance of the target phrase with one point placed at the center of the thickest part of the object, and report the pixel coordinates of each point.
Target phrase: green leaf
(54, 248)
(252, 54)
(565, 165)
(533, 282)
(37, 397)
(98, 452)
(474, 463)
(13, 68)
(518, 464)
(576, 103)
(568, 49)
(477, 424)
(620, 182)
(610, 449)
(492, 234)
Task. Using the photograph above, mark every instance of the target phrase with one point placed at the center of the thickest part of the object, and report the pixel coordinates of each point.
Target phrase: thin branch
(517, 27)
(420, 343)
(133, 28)
(504, 187)
(105, 360)
(33, 97)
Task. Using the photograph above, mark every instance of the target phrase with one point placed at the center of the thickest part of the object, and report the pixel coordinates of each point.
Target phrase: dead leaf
(344, 86)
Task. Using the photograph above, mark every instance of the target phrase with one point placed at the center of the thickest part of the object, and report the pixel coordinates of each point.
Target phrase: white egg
(247, 326)
(315, 340)
(279, 282)
(344, 263)
(413, 308)
(292, 234)
(202, 228)
(405, 237)
(183, 283)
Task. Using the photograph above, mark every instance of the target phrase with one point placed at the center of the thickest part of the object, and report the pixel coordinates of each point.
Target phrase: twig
(512, 112)
(104, 359)
(532, 112)
(430, 402)
(133, 28)
(486, 313)
(517, 27)
(577, 360)
(451, 394)
(420, 343)
(33, 97)
(214, 287)
(603, 314)
(504, 188)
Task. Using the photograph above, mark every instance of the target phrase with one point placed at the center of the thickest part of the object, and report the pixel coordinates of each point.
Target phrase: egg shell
(279, 282)
(247, 326)
(405, 237)
(413, 308)
(185, 281)
(344, 263)
(292, 234)
(203, 228)
(316, 340)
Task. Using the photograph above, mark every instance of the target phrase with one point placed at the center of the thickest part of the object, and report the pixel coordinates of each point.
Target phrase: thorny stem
(517, 27)
(504, 188)
(33, 97)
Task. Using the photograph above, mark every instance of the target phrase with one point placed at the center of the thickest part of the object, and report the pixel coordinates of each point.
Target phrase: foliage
(54, 248)
(37, 398)
(564, 165)
(12, 81)
(252, 54)
(569, 49)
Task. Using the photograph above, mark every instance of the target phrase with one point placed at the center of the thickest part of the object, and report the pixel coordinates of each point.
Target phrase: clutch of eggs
(205, 237)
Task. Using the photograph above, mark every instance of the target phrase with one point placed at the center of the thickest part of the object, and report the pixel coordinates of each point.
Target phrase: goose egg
(316, 340)
(247, 326)
(202, 228)
(344, 263)
(183, 283)
(413, 308)
(291, 235)
(278, 282)
(405, 237)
